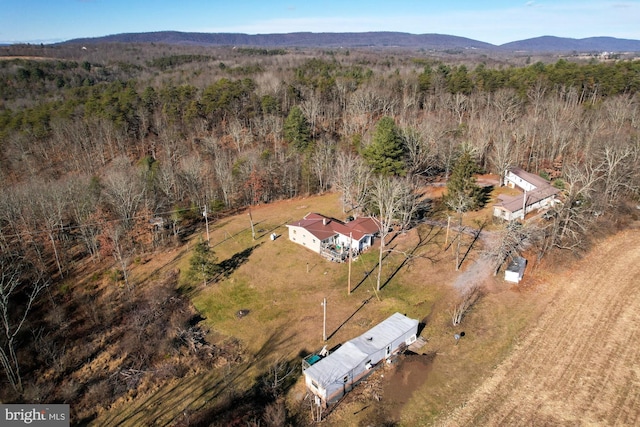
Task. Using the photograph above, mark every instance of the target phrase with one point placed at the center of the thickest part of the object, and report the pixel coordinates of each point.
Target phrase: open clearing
(566, 339)
(579, 365)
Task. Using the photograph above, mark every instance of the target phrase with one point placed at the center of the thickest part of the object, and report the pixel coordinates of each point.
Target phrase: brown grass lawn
(283, 284)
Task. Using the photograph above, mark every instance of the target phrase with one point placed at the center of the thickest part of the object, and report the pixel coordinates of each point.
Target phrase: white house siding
(304, 238)
(360, 245)
(365, 243)
(538, 192)
(344, 241)
(502, 213)
(315, 230)
(512, 180)
(524, 180)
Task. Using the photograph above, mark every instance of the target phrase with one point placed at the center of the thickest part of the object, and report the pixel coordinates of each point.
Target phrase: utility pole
(446, 239)
(206, 220)
(350, 256)
(324, 321)
(253, 231)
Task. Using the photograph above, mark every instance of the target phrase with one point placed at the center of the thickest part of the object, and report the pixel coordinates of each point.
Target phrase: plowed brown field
(580, 364)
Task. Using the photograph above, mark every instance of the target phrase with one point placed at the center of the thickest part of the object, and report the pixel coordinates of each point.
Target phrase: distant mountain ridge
(368, 39)
(590, 44)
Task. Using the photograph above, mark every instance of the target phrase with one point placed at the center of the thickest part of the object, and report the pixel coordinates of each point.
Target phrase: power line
(94, 224)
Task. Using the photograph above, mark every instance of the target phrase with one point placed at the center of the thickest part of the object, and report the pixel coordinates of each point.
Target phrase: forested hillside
(110, 152)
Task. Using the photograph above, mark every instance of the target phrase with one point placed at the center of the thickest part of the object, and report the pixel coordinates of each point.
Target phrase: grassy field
(282, 285)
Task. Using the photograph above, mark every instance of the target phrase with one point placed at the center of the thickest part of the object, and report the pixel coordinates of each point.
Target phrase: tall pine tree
(296, 129)
(203, 263)
(386, 151)
(463, 193)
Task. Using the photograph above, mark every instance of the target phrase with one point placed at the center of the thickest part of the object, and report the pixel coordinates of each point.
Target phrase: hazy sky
(492, 21)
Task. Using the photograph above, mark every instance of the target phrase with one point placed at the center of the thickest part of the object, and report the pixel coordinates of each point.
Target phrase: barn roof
(353, 353)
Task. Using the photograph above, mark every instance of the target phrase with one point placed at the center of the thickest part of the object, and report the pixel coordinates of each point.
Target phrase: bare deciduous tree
(241, 136)
(501, 153)
(351, 177)
(311, 107)
(50, 204)
(83, 203)
(420, 157)
(193, 175)
(463, 304)
(20, 285)
(570, 220)
(322, 161)
(123, 190)
(114, 241)
(509, 242)
(388, 198)
(278, 375)
(620, 168)
(460, 203)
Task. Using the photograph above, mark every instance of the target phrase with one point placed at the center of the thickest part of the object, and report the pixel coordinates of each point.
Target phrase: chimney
(325, 221)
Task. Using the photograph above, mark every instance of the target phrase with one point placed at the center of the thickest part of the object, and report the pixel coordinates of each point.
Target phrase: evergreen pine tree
(296, 129)
(203, 262)
(386, 151)
(463, 193)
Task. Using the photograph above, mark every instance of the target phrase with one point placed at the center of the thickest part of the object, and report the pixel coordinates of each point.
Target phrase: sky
(491, 21)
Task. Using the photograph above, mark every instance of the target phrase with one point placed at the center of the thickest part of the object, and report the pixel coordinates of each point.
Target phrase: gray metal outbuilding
(333, 376)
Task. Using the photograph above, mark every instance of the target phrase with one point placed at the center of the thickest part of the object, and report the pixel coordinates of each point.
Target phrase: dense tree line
(111, 158)
(226, 142)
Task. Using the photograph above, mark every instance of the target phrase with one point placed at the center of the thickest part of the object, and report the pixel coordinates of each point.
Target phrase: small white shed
(515, 270)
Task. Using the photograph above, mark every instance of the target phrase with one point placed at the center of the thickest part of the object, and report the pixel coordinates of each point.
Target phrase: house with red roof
(331, 237)
(537, 193)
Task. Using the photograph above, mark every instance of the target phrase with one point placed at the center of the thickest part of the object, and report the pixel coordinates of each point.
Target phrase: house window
(295, 231)
(313, 240)
(314, 384)
(345, 379)
(388, 351)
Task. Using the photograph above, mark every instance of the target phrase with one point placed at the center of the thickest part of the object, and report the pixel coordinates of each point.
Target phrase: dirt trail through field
(580, 364)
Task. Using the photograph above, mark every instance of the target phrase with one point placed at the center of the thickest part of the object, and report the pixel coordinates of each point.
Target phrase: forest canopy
(115, 151)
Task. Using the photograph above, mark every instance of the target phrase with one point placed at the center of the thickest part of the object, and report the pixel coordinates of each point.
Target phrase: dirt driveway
(580, 364)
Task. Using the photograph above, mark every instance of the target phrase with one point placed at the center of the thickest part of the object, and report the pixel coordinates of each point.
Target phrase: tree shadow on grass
(234, 406)
(476, 236)
(485, 195)
(370, 272)
(350, 317)
(228, 266)
(264, 232)
(423, 240)
(220, 396)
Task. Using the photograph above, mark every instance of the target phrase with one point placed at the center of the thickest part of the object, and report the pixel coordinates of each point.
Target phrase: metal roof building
(333, 376)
